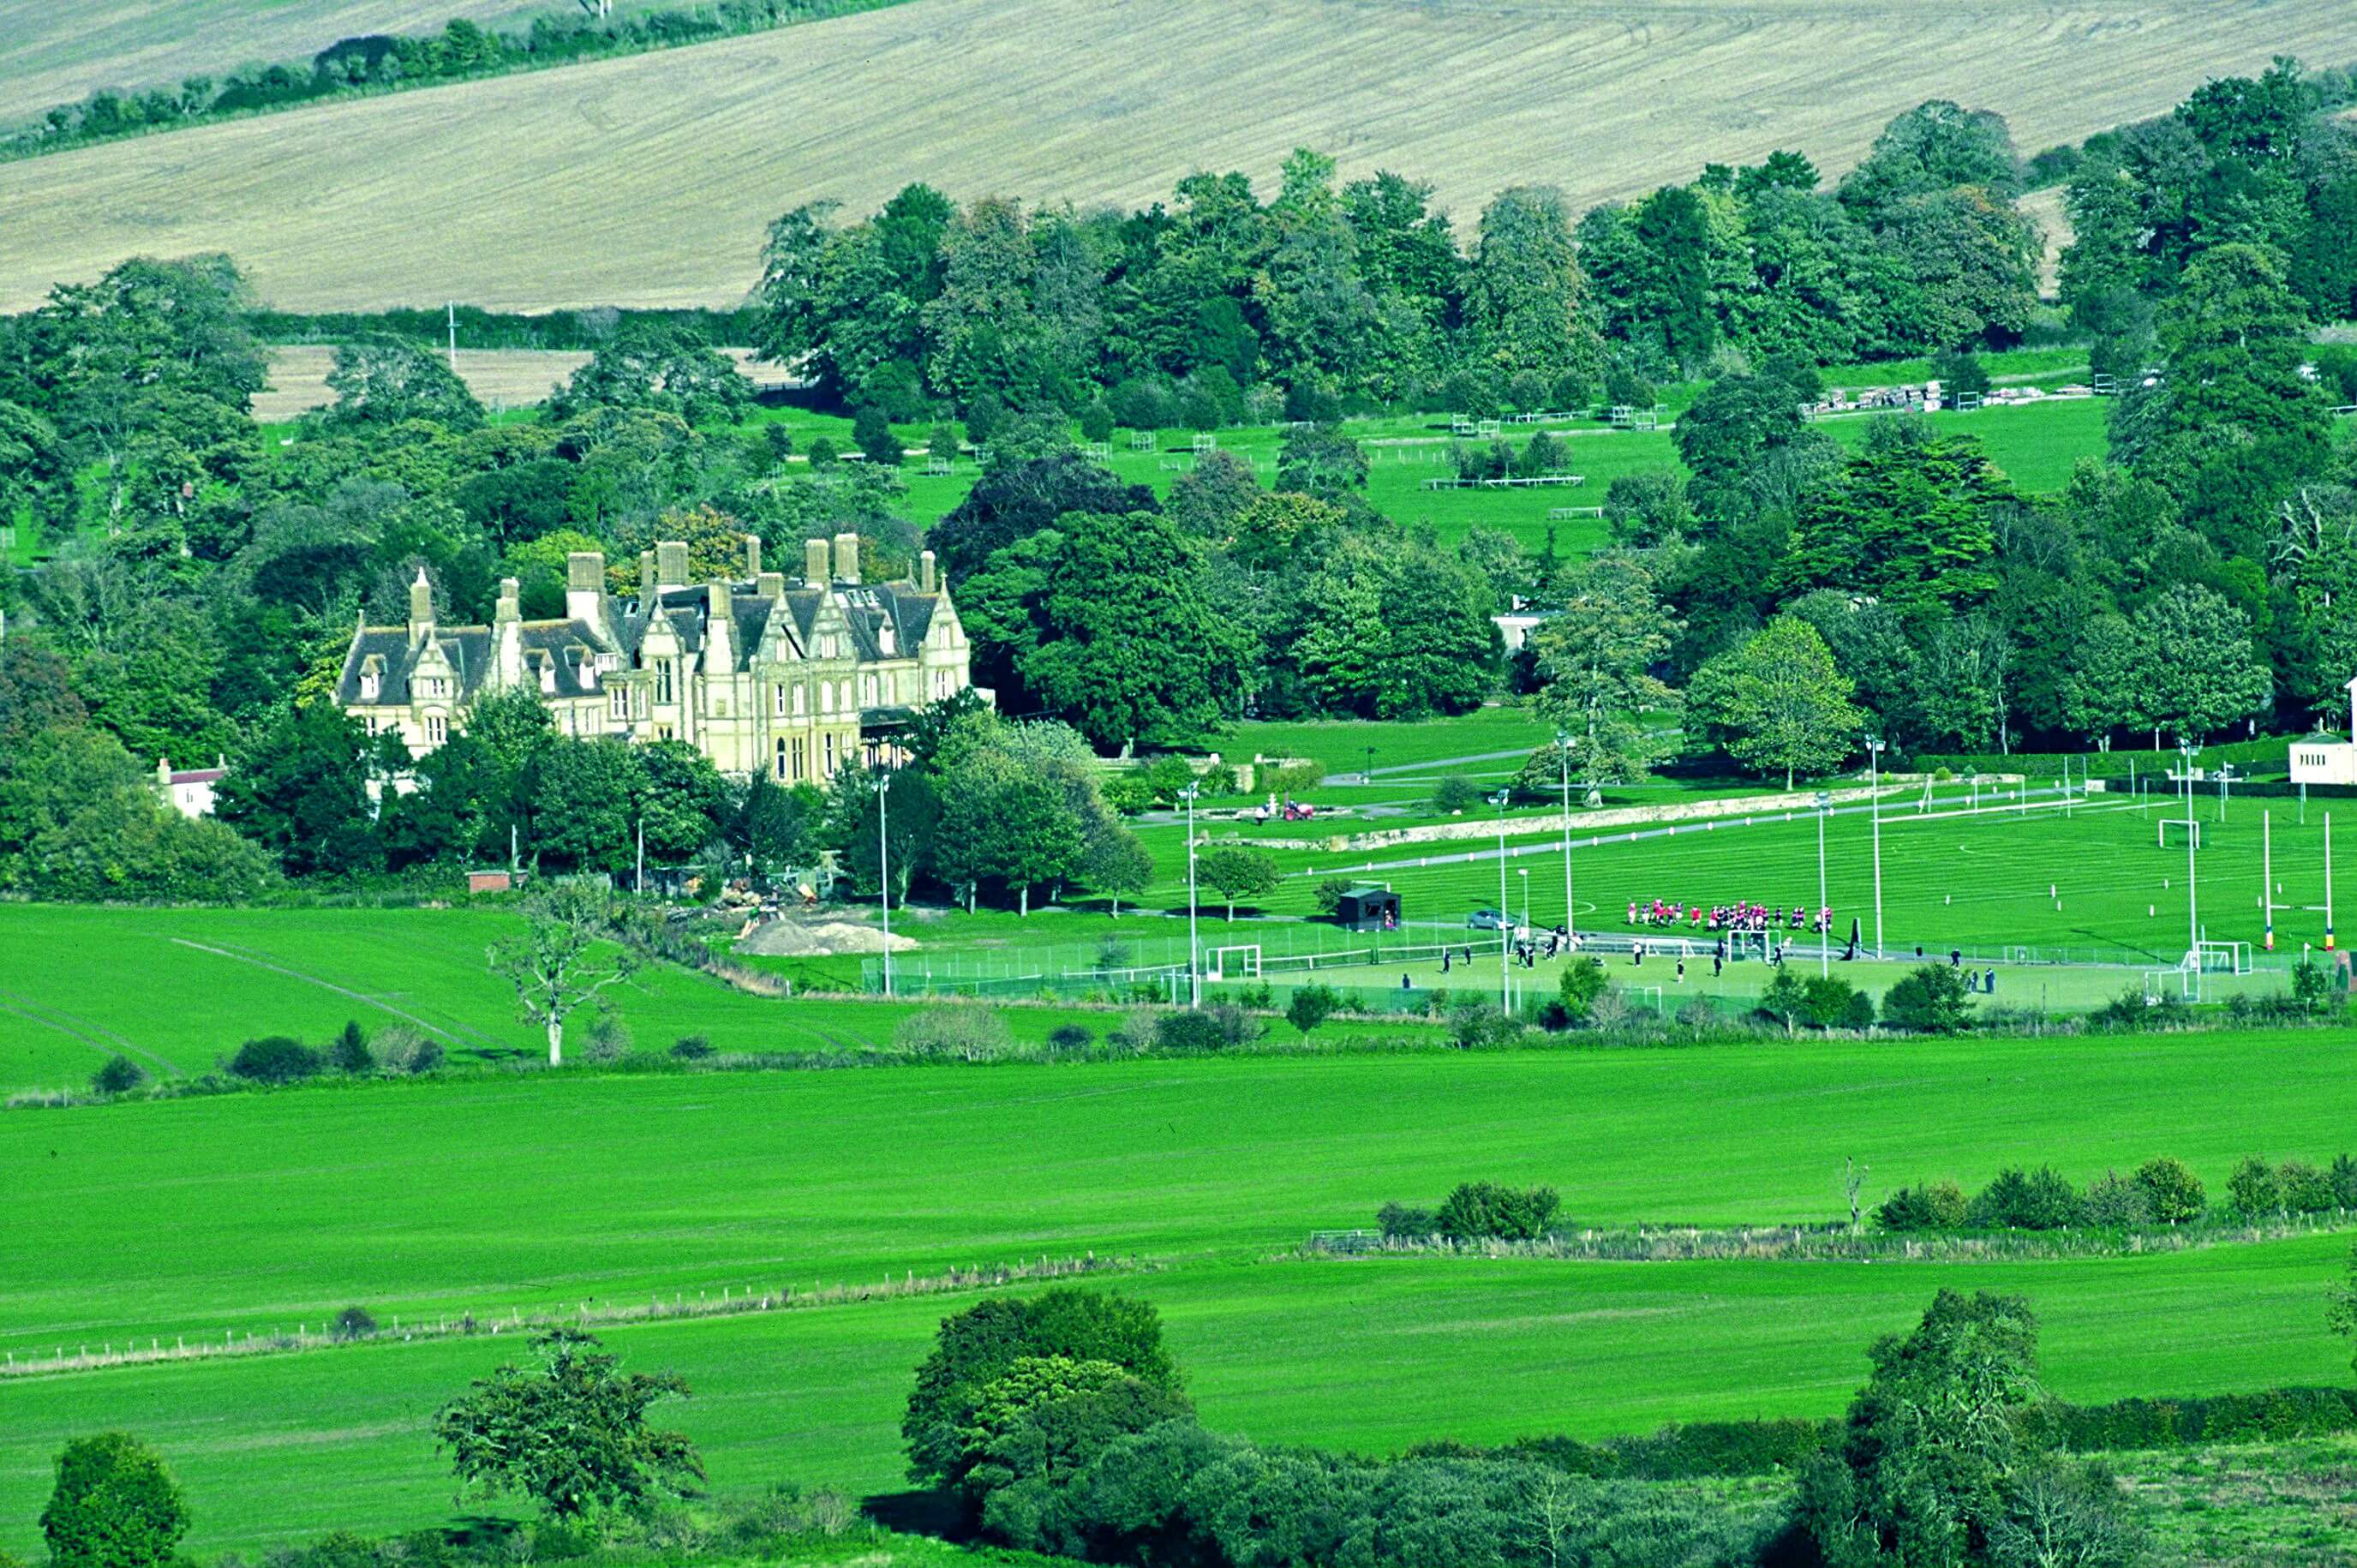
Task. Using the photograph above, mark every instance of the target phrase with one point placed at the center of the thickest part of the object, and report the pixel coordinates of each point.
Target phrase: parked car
(1485, 920)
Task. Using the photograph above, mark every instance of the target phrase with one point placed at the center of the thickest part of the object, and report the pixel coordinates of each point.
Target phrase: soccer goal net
(2223, 957)
(2184, 826)
(1224, 961)
(2160, 985)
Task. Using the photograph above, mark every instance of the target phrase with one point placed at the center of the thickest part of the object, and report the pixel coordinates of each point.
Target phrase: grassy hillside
(650, 180)
(50, 53)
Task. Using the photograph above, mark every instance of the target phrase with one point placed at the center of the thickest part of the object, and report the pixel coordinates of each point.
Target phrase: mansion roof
(561, 656)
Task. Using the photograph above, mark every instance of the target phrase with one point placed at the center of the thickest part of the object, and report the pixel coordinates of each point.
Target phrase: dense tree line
(1331, 296)
(382, 62)
(1061, 1425)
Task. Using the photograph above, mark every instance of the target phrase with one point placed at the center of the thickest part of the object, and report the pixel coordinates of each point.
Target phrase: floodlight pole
(1505, 936)
(1570, 909)
(1825, 932)
(1874, 788)
(883, 787)
(1194, 964)
(2188, 751)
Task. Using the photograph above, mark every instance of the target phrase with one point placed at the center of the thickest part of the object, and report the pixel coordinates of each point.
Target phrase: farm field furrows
(437, 1199)
(1369, 1356)
(650, 180)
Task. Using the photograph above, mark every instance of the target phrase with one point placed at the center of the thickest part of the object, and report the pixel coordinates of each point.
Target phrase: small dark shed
(1369, 909)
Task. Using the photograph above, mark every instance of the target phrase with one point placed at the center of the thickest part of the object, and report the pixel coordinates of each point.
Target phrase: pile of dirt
(790, 938)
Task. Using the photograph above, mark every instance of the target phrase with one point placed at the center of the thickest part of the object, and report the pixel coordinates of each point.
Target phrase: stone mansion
(800, 679)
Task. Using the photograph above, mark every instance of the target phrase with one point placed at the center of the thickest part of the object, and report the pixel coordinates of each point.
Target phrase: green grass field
(2036, 444)
(424, 1197)
(259, 1211)
(178, 989)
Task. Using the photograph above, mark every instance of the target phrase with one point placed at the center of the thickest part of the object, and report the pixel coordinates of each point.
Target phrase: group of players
(1728, 916)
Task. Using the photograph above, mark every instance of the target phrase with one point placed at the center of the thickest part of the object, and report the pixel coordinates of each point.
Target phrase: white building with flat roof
(2321, 761)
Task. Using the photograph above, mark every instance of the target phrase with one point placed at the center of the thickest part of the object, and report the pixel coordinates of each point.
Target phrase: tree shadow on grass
(935, 1510)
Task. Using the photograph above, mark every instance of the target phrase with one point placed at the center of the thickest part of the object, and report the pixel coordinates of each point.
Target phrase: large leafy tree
(1911, 521)
(976, 1347)
(1932, 1467)
(1934, 146)
(1777, 702)
(583, 798)
(1393, 628)
(1597, 657)
(1014, 501)
(1005, 823)
(2232, 428)
(1729, 437)
(301, 793)
(658, 366)
(1124, 643)
(383, 380)
(1523, 287)
(2108, 684)
(114, 1506)
(2202, 670)
(686, 803)
(571, 1434)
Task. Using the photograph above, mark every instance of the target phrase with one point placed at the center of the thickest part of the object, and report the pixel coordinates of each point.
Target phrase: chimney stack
(814, 564)
(585, 586)
(421, 608)
(752, 555)
(671, 564)
(847, 557)
(507, 636)
(771, 584)
(716, 600)
(925, 572)
(646, 582)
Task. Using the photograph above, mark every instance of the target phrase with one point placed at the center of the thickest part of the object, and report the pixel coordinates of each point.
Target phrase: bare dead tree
(571, 949)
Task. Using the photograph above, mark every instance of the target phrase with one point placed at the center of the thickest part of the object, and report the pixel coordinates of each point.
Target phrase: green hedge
(2268, 751)
(481, 328)
(2269, 1414)
(1696, 1450)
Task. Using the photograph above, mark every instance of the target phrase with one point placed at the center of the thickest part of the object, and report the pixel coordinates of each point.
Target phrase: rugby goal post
(2188, 824)
(1248, 962)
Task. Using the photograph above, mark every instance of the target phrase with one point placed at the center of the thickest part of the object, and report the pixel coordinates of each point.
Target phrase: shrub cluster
(2162, 1191)
(282, 1058)
(1476, 1211)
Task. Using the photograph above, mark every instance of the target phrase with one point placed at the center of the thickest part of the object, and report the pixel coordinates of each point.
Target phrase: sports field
(1951, 874)
(259, 1211)
(650, 180)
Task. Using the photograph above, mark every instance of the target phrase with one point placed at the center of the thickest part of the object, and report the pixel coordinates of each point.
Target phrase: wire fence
(727, 1300)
